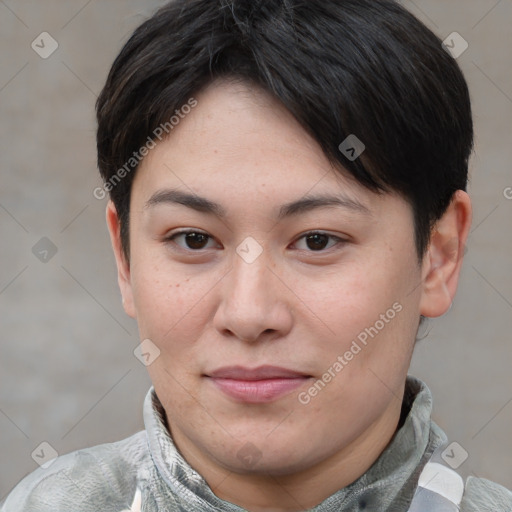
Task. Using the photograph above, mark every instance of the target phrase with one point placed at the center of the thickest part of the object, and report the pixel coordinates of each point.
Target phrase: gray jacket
(146, 473)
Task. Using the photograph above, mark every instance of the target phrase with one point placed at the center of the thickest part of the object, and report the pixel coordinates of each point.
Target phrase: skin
(298, 305)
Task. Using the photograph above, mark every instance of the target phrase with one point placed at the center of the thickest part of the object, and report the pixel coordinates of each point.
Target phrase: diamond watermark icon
(44, 250)
(45, 455)
(454, 455)
(249, 455)
(147, 352)
(352, 147)
(455, 45)
(44, 45)
(249, 250)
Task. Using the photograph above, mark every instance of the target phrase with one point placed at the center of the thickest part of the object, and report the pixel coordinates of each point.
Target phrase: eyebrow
(294, 208)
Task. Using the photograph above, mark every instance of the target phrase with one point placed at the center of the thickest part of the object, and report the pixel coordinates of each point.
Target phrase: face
(322, 302)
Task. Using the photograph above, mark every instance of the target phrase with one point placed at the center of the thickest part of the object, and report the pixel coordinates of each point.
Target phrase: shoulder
(103, 477)
(482, 495)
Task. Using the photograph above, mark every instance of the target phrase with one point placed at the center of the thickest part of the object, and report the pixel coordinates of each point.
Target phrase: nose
(254, 301)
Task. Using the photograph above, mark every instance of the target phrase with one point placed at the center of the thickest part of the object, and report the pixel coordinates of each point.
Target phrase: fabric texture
(146, 473)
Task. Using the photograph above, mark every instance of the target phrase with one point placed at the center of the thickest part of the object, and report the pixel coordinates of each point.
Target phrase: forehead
(235, 121)
(238, 131)
(239, 146)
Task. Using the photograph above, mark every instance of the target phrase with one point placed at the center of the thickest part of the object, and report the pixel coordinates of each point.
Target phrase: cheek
(163, 299)
(355, 296)
(174, 307)
(369, 309)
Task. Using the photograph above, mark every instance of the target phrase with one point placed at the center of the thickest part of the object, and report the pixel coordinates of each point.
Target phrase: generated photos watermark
(342, 361)
(158, 133)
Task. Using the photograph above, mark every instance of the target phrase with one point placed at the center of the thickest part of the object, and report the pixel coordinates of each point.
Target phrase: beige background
(67, 371)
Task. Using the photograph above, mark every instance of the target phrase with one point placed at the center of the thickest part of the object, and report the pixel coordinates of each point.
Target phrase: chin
(274, 461)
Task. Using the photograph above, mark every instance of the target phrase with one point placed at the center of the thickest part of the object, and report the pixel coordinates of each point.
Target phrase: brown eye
(318, 241)
(194, 240)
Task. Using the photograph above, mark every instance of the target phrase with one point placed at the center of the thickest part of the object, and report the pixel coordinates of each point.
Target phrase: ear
(443, 261)
(123, 266)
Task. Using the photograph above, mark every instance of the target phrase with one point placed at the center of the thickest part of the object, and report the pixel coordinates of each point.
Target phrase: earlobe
(443, 261)
(123, 266)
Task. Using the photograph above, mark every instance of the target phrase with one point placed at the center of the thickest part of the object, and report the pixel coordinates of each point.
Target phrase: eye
(317, 240)
(194, 240)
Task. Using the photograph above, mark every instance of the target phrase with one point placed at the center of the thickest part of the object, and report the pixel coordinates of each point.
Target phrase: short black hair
(367, 68)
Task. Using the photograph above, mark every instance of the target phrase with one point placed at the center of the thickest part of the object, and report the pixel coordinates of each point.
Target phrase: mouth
(256, 385)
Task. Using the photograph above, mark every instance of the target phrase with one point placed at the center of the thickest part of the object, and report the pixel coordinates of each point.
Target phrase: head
(229, 119)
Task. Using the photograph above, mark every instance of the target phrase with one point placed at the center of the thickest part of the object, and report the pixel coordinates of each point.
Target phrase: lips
(256, 385)
(260, 373)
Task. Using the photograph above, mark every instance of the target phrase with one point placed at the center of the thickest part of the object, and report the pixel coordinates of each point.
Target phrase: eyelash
(339, 241)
